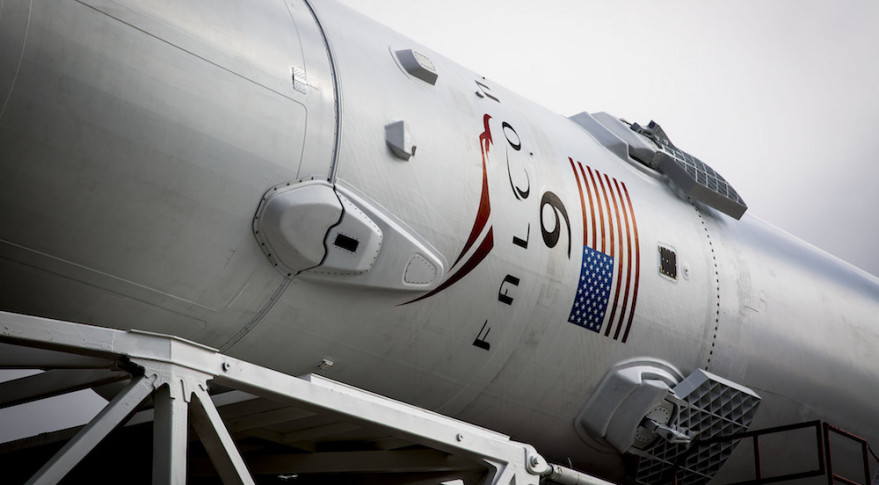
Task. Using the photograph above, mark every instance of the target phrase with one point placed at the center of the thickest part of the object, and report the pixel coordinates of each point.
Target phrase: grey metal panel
(13, 32)
(152, 133)
(223, 34)
(320, 155)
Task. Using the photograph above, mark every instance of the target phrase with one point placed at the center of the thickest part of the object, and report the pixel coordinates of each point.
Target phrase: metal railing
(822, 448)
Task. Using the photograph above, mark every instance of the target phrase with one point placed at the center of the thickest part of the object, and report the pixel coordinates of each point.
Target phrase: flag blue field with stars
(593, 291)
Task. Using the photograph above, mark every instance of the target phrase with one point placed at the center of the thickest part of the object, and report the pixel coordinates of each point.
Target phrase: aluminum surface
(138, 141)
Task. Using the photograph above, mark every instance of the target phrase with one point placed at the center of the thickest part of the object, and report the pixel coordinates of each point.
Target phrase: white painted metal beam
(176, 371)
(217, 441)
(53, 382)
(88, 437)
(17, 357)
(169, 437)
(373, 461)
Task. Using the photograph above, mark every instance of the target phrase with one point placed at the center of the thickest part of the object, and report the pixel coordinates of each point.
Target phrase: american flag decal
(608, 287)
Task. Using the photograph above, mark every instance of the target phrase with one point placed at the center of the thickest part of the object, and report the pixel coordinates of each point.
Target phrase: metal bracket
(667, 432)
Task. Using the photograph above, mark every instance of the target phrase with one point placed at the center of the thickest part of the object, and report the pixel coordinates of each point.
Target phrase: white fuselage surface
(513, 258)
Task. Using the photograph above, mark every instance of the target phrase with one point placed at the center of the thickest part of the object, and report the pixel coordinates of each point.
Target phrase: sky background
(781, 97)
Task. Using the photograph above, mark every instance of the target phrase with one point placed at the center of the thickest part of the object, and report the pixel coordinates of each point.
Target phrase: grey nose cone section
(292, 222)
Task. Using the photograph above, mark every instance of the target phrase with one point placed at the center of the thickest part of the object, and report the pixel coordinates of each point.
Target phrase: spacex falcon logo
(479, 233)
(609, 271)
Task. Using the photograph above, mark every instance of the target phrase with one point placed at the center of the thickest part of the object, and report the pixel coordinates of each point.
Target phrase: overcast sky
(779, 96)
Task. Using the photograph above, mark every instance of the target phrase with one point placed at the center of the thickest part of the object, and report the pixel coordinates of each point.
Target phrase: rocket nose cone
(14, 20)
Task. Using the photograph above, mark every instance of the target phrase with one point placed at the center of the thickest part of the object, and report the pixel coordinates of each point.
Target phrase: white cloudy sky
(780, 96)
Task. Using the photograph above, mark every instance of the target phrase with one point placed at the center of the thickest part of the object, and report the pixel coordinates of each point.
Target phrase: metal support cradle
(176, 374)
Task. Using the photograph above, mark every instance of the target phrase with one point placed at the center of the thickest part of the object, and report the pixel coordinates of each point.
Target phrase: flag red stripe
(605, 206)
(582, 202)
(591, 206)
(637, 265)
(600, 209)
(628, 255)
(606, 201)
(619, 226)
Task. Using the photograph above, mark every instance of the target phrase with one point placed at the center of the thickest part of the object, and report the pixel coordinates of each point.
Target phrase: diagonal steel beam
(88, 437)
(217, 441)
(53, 383)
(17, 357)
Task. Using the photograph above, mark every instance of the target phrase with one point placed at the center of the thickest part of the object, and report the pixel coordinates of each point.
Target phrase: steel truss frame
(176, 372)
